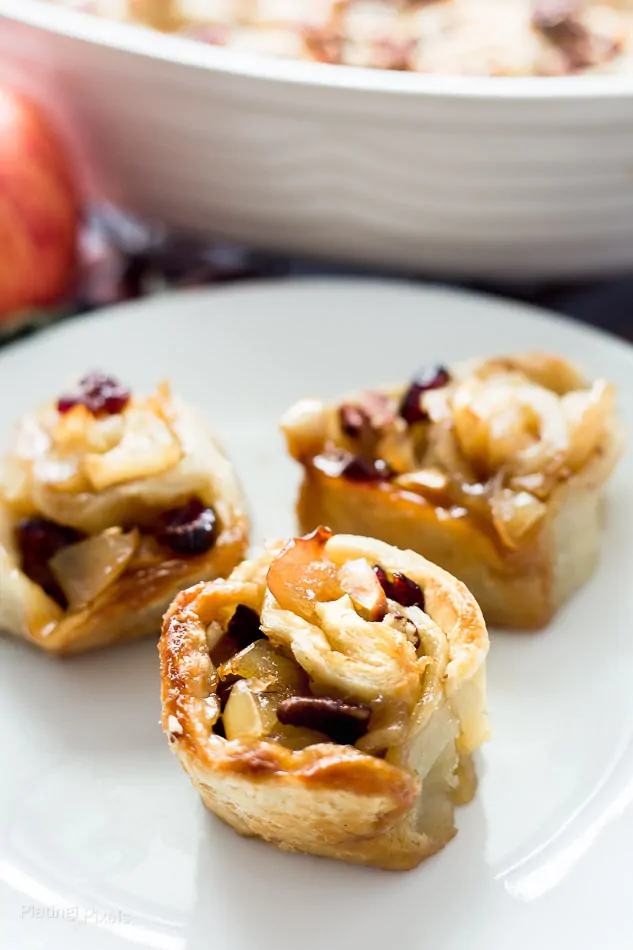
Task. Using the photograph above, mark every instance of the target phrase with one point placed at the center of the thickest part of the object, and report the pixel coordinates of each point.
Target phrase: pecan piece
(341, 722)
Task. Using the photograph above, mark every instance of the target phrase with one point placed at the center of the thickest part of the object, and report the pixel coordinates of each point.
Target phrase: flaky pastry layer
(391, 809)
(132, 605)
(496, 472)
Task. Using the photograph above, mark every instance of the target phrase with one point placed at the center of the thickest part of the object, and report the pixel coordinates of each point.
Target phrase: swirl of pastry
(328, 696)
(110, 504)
(493, 468)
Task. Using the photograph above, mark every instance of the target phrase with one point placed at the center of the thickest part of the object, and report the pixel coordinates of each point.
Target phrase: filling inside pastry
(101, 483)
(342, 652)
(490, 441)
(327, 697)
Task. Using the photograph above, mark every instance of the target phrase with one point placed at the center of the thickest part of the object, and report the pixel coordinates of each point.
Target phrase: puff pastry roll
(109, 505)
(328, 696)
(493, 469)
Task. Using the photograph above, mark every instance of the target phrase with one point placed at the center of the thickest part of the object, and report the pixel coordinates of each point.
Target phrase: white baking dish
(482, 177)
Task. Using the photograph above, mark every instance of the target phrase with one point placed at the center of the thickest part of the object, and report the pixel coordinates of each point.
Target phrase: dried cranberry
(66, 403)
(39, 540)
(400, 588)
(406, 591)
(244, 627)
(102, 395)
(190, 529)
(385, 583)
(341, 722)
(432, 377)
(343, 464)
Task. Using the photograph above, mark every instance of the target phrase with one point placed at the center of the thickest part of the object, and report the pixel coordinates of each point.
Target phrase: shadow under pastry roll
(327, 697)
(109, 505)
(493, 469)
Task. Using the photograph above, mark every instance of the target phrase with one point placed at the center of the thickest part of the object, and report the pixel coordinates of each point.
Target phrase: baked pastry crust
(390, 810)
(44, 476)
(498, 478)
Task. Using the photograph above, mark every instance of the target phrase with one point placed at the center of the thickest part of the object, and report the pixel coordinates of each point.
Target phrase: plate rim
(208, 301)
(310, 284)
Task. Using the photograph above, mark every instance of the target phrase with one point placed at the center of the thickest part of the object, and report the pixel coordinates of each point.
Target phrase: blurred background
(153, 144)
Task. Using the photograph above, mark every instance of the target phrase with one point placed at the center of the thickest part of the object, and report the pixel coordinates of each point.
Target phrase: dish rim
(159, 47)
(318, 283)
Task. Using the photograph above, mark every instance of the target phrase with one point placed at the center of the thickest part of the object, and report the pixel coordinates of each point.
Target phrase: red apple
(39, 209)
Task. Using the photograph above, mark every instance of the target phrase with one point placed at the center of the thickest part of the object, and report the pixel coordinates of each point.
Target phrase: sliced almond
(244, 717)
(358, 580)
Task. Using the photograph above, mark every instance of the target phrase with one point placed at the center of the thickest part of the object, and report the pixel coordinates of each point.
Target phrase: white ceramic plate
(103, 843)
(484, 176)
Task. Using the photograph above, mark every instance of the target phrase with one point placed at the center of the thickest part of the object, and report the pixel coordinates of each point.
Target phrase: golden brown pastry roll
(109, 505)
(327, 697)
(493, 469)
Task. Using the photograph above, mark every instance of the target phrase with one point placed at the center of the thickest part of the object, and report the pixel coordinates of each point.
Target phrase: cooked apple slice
(85, 569)
(147, 448)
(514, 513)
(264, 661)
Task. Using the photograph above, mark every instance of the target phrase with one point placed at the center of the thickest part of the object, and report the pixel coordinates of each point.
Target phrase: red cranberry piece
(341, 722)
(244, 627)
(39, 540)
(102, 395)
(400, 588)
(432, 377)
(406, 591)
(381, 574)
(343, 464)
(190, 529)
(66, 403)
